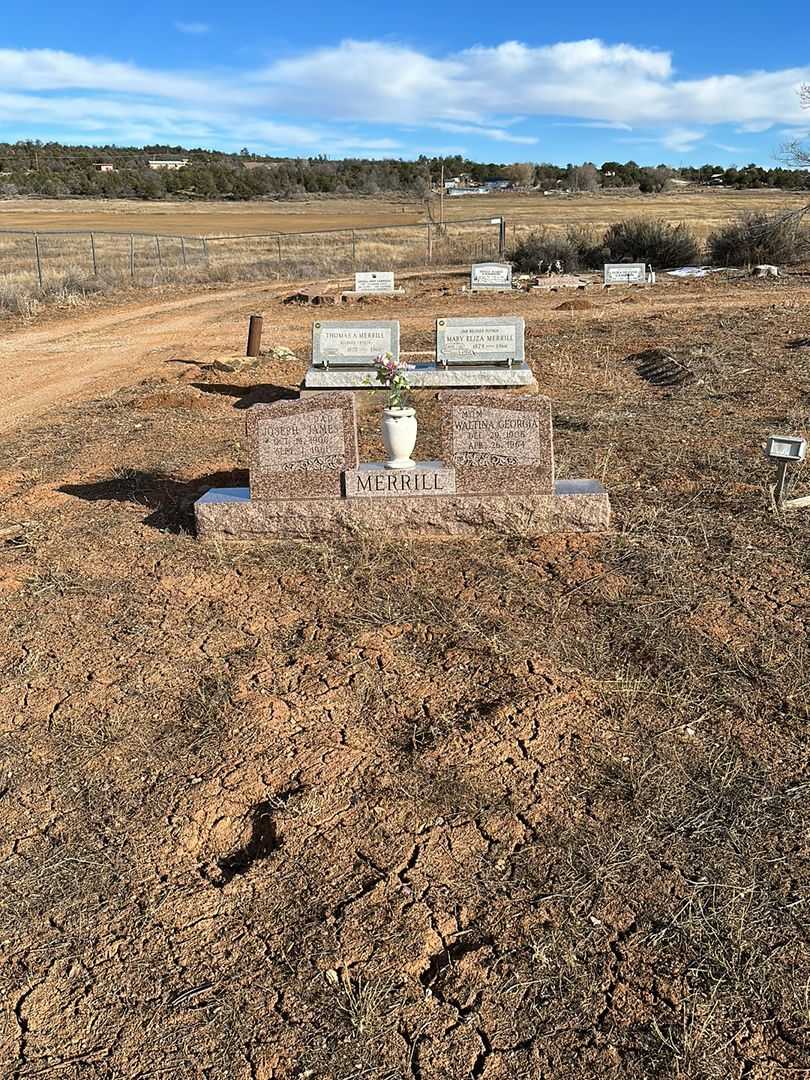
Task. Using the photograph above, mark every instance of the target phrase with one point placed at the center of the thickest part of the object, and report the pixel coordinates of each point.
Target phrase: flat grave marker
(298, 449)
(377, 281)
(491, 277)
(488, 340)
(625, 274)
(498, 444)
(353, 342)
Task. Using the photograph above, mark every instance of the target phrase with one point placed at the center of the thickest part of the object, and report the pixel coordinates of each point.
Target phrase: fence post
(279, 249)
(254, 341)
(183, 249)
(502, 237)
(93, 254)
(429, 244)
(354, 252)
(205, 251)
(131, 255)
(39, 260)
(157, 246)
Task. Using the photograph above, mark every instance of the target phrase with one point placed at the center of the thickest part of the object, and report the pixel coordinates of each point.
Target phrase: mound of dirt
(310, 296)
(187, 398)
(579, 304)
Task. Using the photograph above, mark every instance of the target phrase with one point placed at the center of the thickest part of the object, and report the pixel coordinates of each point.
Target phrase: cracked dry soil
(504, 809)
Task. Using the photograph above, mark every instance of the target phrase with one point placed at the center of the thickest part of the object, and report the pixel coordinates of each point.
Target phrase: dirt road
(79, 357)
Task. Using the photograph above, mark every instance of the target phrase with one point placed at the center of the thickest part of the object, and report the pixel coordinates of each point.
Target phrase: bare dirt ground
(365, 811)
(703, 209)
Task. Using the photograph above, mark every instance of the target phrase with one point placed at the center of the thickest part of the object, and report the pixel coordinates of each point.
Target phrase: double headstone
(490, 444)
(471, 352)
(496, 472)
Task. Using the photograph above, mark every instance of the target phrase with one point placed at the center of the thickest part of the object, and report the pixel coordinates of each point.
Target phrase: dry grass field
(503, 810)
(703, 210)
(205, 218)
(153, 244)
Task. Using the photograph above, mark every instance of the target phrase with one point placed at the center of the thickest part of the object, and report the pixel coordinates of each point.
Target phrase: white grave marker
(378, 281)
(353, 343)
(490, 340)
(625, 274)
(491, 277)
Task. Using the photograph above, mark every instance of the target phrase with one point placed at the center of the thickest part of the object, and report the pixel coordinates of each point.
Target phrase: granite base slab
(351, 294)
(575, 506)
(429, 376)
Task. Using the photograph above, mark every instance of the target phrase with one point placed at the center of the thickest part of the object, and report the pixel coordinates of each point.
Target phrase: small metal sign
(786, 448)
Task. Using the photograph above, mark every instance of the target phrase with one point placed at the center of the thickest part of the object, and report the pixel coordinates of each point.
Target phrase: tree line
(51, 169)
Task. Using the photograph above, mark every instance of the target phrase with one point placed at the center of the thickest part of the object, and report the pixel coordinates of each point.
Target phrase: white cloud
(682, 139)
(52, 70)
(317, 100)
(497, 134)
(192, 27)
(603, 124)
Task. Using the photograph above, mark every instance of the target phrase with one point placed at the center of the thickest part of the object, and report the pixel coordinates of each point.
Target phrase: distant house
(168, 163)
(462, 181)
(498, 185)
(103, 166)
(716, 179)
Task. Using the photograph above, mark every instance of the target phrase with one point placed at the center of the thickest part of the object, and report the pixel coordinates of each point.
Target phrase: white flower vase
(399, 437)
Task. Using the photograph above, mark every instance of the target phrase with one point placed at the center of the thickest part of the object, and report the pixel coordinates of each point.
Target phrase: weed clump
(755, 237)
(652, 241)
(576, 249)
(633, 240)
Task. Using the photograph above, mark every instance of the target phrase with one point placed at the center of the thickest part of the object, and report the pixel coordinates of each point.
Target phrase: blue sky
(681, 83)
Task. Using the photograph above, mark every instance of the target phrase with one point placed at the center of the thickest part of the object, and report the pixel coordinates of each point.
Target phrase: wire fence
(340, 251)
(46, 258)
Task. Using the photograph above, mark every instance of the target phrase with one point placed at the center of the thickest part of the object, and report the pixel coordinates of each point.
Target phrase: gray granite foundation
(574, 506)
(352, 294)
(428, 376)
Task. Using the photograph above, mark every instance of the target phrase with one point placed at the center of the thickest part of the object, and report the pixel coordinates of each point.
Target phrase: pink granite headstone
(299, 449)
(498, 444)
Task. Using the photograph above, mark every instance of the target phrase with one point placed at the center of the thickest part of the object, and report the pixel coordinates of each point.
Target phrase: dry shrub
(652, 241)
(576, 249)
(755, 237)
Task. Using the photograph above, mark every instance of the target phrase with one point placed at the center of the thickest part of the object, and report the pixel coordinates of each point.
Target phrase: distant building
(463, 181)
(103, 166)
(498, 185)
(717, 179)
(168, 163)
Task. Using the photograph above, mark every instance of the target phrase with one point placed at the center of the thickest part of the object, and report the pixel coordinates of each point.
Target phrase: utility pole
(441, 202)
